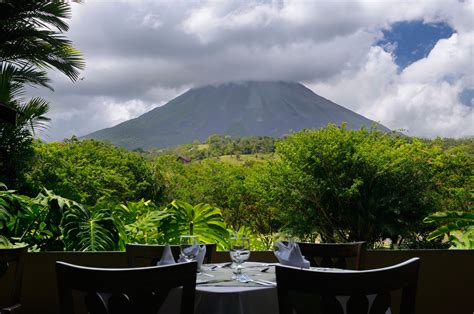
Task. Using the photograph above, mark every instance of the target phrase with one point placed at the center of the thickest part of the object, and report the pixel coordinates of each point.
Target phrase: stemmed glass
(239, 253)
(189, 247)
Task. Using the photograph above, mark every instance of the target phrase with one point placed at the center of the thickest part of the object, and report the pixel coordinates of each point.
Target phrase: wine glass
(239, 253)
(189, 247)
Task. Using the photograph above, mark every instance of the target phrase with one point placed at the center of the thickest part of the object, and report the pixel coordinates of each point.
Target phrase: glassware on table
(239, 253)
(189, 247)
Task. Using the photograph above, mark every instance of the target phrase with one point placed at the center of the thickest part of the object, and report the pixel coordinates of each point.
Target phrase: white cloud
(422, 99)
(141, 54)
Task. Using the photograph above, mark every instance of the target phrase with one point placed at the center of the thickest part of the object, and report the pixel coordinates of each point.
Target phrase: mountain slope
(238, 109)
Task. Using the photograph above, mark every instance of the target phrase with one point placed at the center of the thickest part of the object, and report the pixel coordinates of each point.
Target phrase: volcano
(249, 108)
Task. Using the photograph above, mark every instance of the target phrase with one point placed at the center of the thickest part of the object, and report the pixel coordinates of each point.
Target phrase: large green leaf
(139, 222)
(86, 230)
(202, 220)
(453, 222)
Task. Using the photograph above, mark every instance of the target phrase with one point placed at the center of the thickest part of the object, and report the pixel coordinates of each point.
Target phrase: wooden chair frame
(153, 252)
(357, 284)
(125, 283)
(8, 256)
(330, 251)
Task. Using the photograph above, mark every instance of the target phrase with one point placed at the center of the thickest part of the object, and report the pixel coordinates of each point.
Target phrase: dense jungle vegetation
(331, 184)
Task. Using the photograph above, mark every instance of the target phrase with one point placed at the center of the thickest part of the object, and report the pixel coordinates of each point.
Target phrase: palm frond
(13, 79)
(31, 34)
(33, 114)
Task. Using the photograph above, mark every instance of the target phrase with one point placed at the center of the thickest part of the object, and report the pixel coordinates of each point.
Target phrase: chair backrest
(334, 255)
(11, 269)
(150, 254)
(124, 290)
(329, 289)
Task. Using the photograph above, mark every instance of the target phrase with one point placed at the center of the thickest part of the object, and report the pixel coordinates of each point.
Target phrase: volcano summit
(249, 108)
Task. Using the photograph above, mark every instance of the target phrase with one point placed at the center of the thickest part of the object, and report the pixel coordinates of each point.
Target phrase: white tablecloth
(228, 296)
(221, 296)
(227, 300)
(236, 300)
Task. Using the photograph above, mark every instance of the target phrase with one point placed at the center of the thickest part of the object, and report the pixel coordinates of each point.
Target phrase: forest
(331, 184)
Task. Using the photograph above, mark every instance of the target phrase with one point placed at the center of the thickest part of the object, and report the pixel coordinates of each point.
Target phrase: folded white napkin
(290, 255)
(166, 257)
(199, 256)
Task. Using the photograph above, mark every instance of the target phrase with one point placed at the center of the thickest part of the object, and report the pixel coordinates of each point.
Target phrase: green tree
(87, 171)
(15, 140)
(347, 185)
(16, 153)
(212, 182)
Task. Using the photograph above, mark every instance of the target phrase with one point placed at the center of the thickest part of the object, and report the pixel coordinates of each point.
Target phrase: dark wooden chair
(334, 255)
(327, 289)
(11, 275)
(148, 254)
(124, 290)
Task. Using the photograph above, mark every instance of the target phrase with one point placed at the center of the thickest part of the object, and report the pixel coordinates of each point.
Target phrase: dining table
(218, 293)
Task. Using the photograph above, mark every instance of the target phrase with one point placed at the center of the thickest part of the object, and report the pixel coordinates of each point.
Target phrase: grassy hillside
(219, 145)
(245, 159)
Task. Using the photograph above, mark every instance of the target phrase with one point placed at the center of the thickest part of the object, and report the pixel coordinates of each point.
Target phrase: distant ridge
(248, 108)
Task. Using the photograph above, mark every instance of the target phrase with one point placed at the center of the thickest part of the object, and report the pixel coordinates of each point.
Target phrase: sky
(407, 64)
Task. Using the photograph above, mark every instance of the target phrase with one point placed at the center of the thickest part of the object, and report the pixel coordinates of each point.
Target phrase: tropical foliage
(457, 226)
(219, 145)
(332, 185)
(202, 220)
(140, 222)
(37, 221)
(89, 230)
(209, 181)
(88, 171)
(346, 185)
(16, 140)
(32, 41)
(51, 222)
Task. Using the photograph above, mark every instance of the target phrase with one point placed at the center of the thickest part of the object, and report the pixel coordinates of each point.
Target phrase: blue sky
(466, 97)
(410, 41)
(413, 40)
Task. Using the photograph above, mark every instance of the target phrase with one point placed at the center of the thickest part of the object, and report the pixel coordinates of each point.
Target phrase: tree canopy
(88, 171)
(352, 185)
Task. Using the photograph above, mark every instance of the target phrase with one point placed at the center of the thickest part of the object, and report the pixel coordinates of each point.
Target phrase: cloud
(141, 54)
(423, 99)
